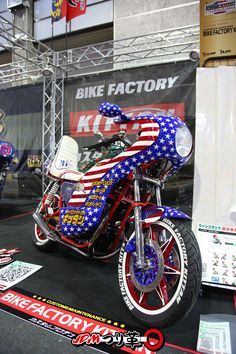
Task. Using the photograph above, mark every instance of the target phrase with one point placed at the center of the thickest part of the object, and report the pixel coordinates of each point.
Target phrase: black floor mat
(92, 286)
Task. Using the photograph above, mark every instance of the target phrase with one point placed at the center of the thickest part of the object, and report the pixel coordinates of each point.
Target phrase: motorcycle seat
(64, 164)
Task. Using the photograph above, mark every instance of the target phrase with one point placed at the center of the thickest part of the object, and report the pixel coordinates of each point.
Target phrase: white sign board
(214, 337)
(218, 251)
(16, 272)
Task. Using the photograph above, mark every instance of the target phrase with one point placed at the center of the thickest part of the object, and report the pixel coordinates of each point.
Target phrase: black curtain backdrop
(22, 126)
(159, 89)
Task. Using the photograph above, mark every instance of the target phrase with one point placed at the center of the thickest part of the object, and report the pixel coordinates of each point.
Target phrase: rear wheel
(166, 288)
(38, 237)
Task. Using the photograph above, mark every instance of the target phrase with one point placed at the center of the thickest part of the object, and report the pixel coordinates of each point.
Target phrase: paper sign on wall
(218, 251)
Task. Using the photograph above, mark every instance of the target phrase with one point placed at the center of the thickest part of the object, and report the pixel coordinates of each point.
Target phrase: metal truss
(33, 57)
(155, 48)
(164, 46)
(16, 40)
(52, 127)
(20, 71)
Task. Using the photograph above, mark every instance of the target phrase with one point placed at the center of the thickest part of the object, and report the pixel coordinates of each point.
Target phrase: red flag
(59, 9)
(75, 8)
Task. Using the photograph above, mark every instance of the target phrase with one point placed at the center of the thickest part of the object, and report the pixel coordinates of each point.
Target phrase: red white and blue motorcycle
(113, 207)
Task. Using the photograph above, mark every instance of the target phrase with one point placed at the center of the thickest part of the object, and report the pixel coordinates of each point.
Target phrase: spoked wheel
(166, 288)
(38, 237)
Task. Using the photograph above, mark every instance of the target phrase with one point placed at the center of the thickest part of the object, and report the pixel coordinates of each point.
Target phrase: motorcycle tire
(39, 239)
(166, 290)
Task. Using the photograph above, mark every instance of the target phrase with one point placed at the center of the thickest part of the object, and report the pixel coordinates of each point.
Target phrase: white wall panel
(226, 145)
(98, 13)
(135, 18)
(214, 200)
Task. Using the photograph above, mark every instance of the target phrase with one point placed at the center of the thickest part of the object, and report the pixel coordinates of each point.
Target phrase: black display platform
(92, 286)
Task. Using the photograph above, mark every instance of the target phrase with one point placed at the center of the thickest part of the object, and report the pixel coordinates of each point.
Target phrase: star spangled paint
(156, 141)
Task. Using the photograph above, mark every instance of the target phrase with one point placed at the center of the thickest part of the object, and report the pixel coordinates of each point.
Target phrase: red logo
(86, 123)
(153, 340)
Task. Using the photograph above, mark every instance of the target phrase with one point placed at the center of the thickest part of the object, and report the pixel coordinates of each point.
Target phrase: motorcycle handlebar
(106, 142)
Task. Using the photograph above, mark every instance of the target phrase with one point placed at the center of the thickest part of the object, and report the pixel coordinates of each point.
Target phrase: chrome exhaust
(40, 222)
(51, 235)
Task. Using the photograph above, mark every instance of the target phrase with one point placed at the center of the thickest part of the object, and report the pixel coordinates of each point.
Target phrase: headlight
(183, 141)
(5, 150)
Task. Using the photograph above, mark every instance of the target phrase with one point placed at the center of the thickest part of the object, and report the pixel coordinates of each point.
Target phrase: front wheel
(166, 288)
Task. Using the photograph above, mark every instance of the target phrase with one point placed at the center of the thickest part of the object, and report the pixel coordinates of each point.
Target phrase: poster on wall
(167, 89)
(218, 251)
(217, 29)
(21, 125)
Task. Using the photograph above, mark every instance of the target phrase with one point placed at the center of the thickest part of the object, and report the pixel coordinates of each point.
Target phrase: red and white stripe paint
(149, 134)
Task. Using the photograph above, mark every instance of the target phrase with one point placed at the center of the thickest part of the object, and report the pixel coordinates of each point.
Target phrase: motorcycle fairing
(100, 179)
(156, 141)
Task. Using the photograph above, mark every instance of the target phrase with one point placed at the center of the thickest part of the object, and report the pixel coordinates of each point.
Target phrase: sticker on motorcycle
(75, 217)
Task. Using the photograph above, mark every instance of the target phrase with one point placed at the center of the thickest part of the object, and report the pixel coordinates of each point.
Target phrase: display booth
(61, 295)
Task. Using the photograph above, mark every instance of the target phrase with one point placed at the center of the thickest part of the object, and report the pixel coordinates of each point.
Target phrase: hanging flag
(59, 9)
(75, 8)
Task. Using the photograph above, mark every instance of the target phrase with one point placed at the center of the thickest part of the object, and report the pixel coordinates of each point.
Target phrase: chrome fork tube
(162, 235)
(158, 195)
(138, 226)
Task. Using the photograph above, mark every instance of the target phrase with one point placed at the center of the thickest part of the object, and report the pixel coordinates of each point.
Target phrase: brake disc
(147, 278)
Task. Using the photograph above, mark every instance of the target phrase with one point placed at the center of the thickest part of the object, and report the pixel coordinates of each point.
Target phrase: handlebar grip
(92, 147)
(107, 142)
(103, 143)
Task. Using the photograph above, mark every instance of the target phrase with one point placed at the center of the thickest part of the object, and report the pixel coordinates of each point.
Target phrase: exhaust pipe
(50, 234)
(47, 232)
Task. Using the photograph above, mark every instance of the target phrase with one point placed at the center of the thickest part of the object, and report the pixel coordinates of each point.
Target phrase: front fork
(139, 235)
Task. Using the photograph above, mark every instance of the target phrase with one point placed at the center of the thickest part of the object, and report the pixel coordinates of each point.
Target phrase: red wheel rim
(161, 295)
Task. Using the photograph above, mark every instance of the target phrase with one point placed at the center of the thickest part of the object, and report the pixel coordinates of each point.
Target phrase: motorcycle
(7, 152)
(112, 206)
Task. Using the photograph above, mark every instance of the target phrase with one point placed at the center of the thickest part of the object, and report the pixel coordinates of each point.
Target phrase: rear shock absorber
(51, 194)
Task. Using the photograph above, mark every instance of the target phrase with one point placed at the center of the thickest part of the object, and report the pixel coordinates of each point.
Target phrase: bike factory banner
(160, 89)
(167, 89)
(81, 327)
